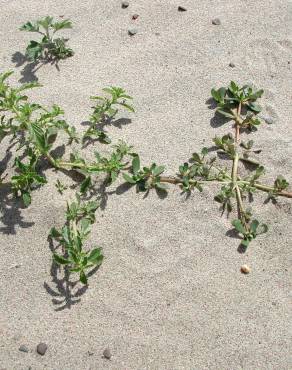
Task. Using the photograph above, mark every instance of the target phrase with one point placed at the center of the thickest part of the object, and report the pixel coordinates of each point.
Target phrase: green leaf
(65, 24)
(254, 107)
(85, 185)
(60, 260)
(224, 113)
(128, 178)
(158, 170)
(253, 226)
(83, 277)
(38, 136)
(136, 164)
(26, 199)
(33, 50)
(128, 107)
(95, 256)
(238, 226)
(54, 233)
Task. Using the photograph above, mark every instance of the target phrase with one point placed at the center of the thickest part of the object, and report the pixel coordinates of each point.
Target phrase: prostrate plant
(36, 128)
(238, 104)
(49, 48)
(145, 178)
(105, 109)
(71, 238)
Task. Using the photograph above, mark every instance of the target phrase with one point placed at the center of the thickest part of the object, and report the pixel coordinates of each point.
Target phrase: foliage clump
(48, 47)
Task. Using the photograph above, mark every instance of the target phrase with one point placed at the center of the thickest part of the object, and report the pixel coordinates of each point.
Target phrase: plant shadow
(10, 209)
(30, 68)
(232, 233)
(217, 120)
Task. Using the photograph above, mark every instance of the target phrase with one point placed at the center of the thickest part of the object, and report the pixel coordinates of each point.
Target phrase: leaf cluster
(229, 98)
(79, 217)
(49, 47)
(249, 231)
(105, 109)
(145, 178)
(27, 178)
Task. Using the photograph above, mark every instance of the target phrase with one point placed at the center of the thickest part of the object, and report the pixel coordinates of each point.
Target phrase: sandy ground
(169, 294)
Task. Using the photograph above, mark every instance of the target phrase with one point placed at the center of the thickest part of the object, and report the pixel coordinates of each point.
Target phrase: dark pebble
(23, 348)
(135, 16)
(232, 65)
(132, 31)
(42, 348)
(216, 21)
(125, 4)
(182, 9)
(107, 354)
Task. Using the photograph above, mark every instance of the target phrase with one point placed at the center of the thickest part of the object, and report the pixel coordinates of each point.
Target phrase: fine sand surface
(169, 294)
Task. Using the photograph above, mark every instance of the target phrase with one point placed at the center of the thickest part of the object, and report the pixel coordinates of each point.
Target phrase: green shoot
(71, 237)
(49, 47)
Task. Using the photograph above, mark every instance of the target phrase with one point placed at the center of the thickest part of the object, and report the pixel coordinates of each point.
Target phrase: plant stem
(237, 123)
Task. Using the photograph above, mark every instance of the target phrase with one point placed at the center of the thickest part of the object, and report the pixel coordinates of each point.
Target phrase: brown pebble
(216, 22)
(135, 16)
(107, 354)
(245, 269)
(182, 9)
(42, 348)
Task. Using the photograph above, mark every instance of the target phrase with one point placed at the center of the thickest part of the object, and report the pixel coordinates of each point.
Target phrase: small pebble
(42, 348)
(107, 354)
(125, 4)
(23, 348)
(135, 16)
(269, 120)
(216, 21)
(232, 65)
(245, 269)
(182, 9)
(132, 31)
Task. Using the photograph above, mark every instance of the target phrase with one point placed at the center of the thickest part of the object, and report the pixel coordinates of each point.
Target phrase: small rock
(107, 354)
(132, 31)
(216, 21)
(245, 269)
(231, 64)
(269, 120)
(23, 348)
(135, 16)
(42, 348)
(125, 4)
(182, 9)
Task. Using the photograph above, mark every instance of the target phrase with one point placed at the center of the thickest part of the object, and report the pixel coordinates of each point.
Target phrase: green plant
(49, 47)
(27, 179)
(36, 128)
(60, 187)
(238, 104)
(145, 178)
(105, 109)
(71, 237)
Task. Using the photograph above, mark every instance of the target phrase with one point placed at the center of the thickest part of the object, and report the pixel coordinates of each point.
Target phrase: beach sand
(169, 294)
